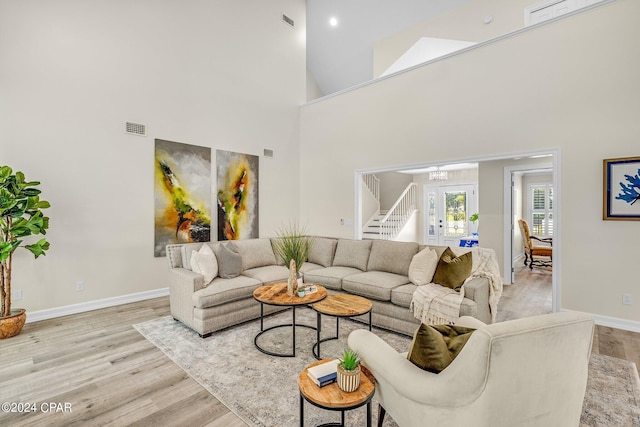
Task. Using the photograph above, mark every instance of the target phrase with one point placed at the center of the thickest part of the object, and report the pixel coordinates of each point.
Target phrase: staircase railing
(372, 182)
(399, 213)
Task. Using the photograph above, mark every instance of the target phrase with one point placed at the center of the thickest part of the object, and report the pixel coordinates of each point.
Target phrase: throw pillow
(435, 346)
(452, 270)
(352, 253)
(322, 251)
(229, 261)
(391, 256)
(204, 262)
(423, 266)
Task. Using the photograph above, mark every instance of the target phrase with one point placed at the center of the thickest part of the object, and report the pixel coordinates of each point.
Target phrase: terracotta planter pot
(11, 326)
(348, 381)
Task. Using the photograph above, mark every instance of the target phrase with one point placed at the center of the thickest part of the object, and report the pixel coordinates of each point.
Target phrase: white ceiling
(342, 56)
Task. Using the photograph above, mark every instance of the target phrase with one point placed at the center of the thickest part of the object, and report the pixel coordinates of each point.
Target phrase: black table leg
(318, 326)
(261, 317)
(293, 322)
(301, 411)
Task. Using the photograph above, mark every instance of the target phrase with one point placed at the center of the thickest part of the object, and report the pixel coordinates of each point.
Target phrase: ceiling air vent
(288, 20)
(136, 129)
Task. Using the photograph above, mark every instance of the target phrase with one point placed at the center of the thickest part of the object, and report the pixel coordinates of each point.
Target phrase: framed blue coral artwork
(621, 189)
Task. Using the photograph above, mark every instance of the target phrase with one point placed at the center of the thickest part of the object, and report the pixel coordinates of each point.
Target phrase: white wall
(392, 184)
(226, 75)
(466, 22)
(570, 85)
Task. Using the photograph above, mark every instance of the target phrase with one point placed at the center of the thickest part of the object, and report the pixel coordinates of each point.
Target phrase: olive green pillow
(435, 346)
(452, 270)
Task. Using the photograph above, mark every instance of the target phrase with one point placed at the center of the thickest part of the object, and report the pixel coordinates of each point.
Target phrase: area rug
(263, 390)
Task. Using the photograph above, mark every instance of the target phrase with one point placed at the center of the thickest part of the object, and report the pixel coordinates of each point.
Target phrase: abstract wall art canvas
(621, 189)
(182, 181)
(237, 178)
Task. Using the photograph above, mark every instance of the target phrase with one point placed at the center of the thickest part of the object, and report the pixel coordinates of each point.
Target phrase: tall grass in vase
(292, 244)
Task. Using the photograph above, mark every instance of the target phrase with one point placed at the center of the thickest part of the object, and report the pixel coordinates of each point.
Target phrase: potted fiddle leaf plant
(20, 218)
(348, 371)
(292, 245)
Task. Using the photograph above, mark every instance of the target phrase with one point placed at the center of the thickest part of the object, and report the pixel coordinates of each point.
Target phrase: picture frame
(621, 189)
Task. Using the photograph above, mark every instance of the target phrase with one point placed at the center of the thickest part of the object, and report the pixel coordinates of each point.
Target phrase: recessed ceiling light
(333, 21)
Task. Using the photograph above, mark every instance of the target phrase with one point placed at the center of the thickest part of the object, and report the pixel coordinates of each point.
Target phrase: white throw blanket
(434, 304)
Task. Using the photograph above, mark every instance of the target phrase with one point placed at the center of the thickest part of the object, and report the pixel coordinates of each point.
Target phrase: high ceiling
(341, 56)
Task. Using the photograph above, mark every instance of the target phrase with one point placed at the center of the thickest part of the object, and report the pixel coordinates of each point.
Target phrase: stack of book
(324, 373)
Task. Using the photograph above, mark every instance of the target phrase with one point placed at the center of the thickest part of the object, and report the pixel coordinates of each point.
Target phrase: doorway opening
(447, 213)
(496, 223)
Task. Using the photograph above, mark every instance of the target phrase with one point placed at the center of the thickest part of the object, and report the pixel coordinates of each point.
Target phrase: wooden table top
(343, 305)
(276, 294)
(330, 396)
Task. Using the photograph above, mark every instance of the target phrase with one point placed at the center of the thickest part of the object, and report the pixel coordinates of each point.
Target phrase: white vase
(348, 381)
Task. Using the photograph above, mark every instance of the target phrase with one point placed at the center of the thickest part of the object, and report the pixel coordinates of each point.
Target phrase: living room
(74, 73)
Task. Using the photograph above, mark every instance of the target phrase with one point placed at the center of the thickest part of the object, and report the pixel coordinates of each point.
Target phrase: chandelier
(438, 175)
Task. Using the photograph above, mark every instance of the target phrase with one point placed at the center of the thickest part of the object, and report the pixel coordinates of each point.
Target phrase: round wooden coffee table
(277, 295)
(338, 305)
(330, 397)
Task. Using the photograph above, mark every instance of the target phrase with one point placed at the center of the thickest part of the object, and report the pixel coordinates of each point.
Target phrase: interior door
(448, 208)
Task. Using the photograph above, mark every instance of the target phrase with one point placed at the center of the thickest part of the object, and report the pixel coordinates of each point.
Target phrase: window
(541, 209)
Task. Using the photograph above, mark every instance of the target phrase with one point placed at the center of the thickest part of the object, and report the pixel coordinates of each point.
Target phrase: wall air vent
(288, 20)
(268, 153)
(136, 129)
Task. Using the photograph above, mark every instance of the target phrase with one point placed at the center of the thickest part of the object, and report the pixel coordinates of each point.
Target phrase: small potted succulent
(348, 371)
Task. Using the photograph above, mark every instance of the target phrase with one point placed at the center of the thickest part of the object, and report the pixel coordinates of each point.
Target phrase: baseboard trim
(52, 313)
(614, 322)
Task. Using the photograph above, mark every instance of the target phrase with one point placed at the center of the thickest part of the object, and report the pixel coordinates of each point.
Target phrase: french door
(447, 210)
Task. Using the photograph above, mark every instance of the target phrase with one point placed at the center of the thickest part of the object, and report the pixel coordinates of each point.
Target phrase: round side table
(276, 294)
(338, 305)
(331, 398)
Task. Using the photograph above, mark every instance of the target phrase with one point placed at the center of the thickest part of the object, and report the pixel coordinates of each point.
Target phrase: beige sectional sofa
(375, 269)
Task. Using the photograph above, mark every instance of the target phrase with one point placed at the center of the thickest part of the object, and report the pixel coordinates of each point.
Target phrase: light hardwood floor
(110, 375)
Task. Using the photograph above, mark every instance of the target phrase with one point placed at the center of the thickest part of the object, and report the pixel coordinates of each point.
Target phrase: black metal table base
(316, 347)
(293, 326)
(342, 410)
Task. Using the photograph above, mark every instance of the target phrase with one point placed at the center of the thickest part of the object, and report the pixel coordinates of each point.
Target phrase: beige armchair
(534, 254)
(525, 372)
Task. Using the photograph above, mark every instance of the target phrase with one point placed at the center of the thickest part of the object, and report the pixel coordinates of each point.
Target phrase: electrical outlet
(80, 286)
(16, 295)
(627, 299)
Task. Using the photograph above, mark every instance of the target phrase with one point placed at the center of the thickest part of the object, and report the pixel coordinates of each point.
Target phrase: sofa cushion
(435, 346)
(310, 266)
(255, 253)
(322, 251)
(352, 253)
(330, 277)
(453, 270)
(222, 291)
(373, 284)
(423, 266)
(268, 274)
(402, 295)
(392, 257)
(204, 262)
(229, 261)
